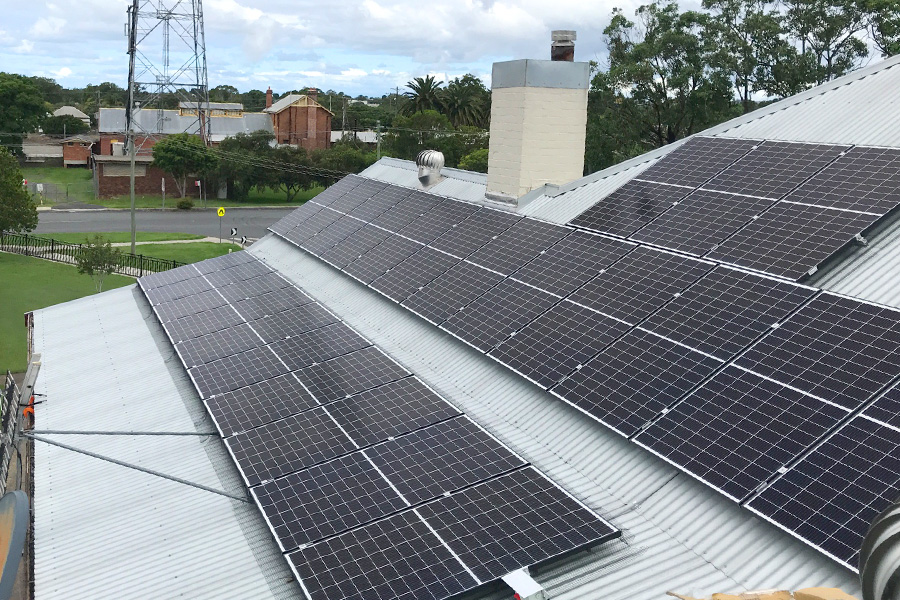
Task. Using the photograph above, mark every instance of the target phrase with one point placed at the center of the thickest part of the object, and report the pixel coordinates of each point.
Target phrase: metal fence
(8, 422)
(134, 265)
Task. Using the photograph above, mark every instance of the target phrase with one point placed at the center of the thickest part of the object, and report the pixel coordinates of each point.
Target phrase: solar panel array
(734, 376)
(350, 457)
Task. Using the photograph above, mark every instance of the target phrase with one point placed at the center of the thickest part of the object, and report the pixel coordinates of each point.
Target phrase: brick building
(77, 151)
(112, 177)
(300, 120)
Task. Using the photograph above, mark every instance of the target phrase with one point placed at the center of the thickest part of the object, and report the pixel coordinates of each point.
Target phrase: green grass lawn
(28, 284)
(264, 197)
(187, 253)
(73, 185)
(115, 237)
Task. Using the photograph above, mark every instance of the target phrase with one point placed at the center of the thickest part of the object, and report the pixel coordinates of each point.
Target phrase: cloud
(26, 47)
(62, 73)
(47, 27)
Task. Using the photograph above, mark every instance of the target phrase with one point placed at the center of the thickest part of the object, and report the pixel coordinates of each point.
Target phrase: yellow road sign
(221, 211)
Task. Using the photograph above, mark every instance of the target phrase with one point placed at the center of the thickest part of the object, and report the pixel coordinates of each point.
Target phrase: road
(251, 222)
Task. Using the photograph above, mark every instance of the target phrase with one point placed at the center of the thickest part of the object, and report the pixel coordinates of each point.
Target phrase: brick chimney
(269, 97)
(312, 114)
(313, 94)
(538, 121)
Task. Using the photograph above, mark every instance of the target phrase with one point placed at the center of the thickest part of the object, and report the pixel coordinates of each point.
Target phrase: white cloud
(62, 73)
(47, 27)
(25, 47)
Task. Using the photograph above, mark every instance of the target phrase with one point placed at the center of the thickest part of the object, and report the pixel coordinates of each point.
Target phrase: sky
(360, 47)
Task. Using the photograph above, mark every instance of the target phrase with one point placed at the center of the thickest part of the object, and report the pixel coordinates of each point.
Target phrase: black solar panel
(241, 272)
(350, 374)
(199, 324)
(697, 160)
(513, 521)
(294, 218)
(551, 346)
(406, 211)
(518, 245)
(338, 189)
(831, 497)
(572, 262)
(500, 312)
(155, 280)
(414, 273)
(224, 262)
(442, 458)
(630, 207)
(837, 348)
(180, 289)
(357, 196)
(450, 292)
(216, 345)
(318, 345)
(377, 261)
(332, 235)
(252, 288)
(287, 445)
(791, 239)
(390, 410)
(438, 219)
(312, 225)
(325, 500)
(738, 430)
(635, 378)
(726, 310)
(398, 557)
(380, 202)
(774, 169)
(236, 371)
(864, 179)
(189, 305)
(887, 408)
(293, 321)
(640, 283)
(701, 221)
(356, 244)
(271, 303)
(477, 230)
(259, 403)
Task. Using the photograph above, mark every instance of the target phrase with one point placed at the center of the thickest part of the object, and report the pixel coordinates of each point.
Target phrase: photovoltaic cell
(450, 292)
(774, 168)
(477, 230)
(224, 262)
(572, 262)
(442, 458)
(886, 408)
(831, 497)
(379, 203)
(325, 500)
(630, 207)
(350, 374)
(639, 284)
(312, 225)
(216, 345)
(357, 196)
(332, 235)
(237, 273)
(295, 217)
(554, 344)
(356, 244)
(338, 189)
(837, 348)
(377, 261)
(398, 557)
(701, 221)
(390, 410)
(513, 521)
(697, 160)
(414, 273)
(199, 324)
(293, 321)
(518, 245)
(252, 288)
(790, 239)
(406, 211)
(635, 378)
(174, 291)
(236, 371)
(726, 310)
(259, 403)
(439, 218)
(318, 345)
(500, 312)
(271, 303)
(738, 429)
(189, 305)
(155, 280)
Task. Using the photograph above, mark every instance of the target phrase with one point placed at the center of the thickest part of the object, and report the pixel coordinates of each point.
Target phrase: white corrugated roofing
(458, 184)
(106, 531)
(677, 534)
(112, 120)
(70, 111)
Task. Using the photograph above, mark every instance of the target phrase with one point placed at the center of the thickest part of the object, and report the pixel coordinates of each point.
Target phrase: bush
(475, 161)
(185, 204)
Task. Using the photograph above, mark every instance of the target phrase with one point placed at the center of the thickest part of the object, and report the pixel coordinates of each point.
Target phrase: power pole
(129, 110)
(378, 139)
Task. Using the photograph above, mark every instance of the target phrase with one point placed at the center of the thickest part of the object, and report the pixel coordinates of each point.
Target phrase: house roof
(112, 120)
(70, 111)
(291, 99)
(214, 105)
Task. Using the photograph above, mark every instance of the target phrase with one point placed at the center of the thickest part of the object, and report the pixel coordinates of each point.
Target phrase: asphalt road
(251, 222)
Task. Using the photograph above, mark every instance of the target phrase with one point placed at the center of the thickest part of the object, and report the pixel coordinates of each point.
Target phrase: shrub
(185, 204)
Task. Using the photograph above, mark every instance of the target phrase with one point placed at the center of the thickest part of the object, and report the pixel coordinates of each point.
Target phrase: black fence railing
(9, 409)
(134, 265)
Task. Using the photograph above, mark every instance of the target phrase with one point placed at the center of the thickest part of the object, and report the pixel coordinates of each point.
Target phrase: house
(77, 150)
(71, 111)
(486, 246)
(299, 120)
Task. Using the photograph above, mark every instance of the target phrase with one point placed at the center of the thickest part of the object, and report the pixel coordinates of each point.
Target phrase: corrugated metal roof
(677, 534)
(106, 531)
(461, 185)
(214, 105)
(112, 120)
(70, 111)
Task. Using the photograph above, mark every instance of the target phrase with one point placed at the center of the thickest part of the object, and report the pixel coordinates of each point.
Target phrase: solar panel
(518, 245)
(325, 500)
(389, 410)
(312, 225)
(224, 262)
(271, 303)
(199, 324)
(726, 310)
(259, 403)
(635, 378)
(500, 312)
(377, 261)
(774, 168)
(886, 408)
(252, 288)
(356, 244)
(293, 321)
(697, 160)
(237, 273)
(630, 207)
(863, 179)
(406, 211)
(791, 239)
(287, 445)
(356, 196)
(551, 346)
(318, 345)
(477, 230)
(332, 235)
(572, 262)
(236, 371)
(438, 219)
(451, 291)
(701, 221)
(513, 521)
(350, 374)
(338, 189)
(442, 458)
(639, 284)
(397, 557)
(189, 305)
(379, 203)
(155, 280)
(216, 345)
(837, 348)
(738, 429)
(294, 218)
(831, 497)
(177, 290)
(414, 273)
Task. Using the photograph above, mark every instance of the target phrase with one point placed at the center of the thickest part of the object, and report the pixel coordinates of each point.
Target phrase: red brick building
(77, 151)
(112, 177)
(300, 120)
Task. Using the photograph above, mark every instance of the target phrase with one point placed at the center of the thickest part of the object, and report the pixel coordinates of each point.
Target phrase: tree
(424, 95)
(244, 162)
(97, 259)
(224, 93)
(343, 158)
(17, 209)
(829, 31)
(64, 124)
(461, 105)
(291, 173)
(183, 154)
(21, 110)
(884, 25)
(475, 161)
(410, 135)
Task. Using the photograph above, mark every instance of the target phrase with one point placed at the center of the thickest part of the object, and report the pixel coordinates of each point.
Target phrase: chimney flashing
(529, 72)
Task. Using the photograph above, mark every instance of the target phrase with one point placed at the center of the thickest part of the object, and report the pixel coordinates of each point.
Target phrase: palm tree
(425, 94)
(461, 105)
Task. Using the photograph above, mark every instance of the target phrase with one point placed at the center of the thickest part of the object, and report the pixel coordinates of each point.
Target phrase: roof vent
(430, 163)
(563, 45)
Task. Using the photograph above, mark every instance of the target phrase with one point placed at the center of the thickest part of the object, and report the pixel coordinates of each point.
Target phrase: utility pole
(378, 139)
(344, 119)
(129, 111)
